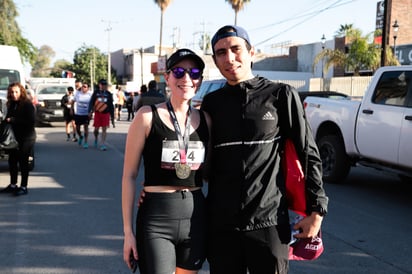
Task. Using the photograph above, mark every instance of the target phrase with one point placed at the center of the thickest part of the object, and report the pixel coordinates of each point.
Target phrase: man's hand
(309, 226)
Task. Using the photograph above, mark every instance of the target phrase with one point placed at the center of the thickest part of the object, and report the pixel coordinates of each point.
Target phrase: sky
(66, 26)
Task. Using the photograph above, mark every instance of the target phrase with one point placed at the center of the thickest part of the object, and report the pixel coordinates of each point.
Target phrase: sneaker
(86, 146)
(68, 139)
(80, 140)
(21, 191)
(95, 143)
(9, 189)
(74, 139)
(103, 148)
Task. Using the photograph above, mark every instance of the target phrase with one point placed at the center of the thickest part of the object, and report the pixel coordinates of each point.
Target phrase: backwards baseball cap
(228, 31)
(103, 82)
(182, 54)
(306, 249)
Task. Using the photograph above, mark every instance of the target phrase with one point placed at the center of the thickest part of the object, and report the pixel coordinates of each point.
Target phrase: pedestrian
(152, 96)
(78, 85)
(129, 106)
(80, 110)
(248, 219)
(21, 116)
(66, 102)
(172, 138)
(120, 102)
(143, 89)
(101, 104)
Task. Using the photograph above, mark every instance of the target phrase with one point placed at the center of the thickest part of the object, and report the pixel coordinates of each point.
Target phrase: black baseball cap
(103, 82)
(182, 54)
(227, 31)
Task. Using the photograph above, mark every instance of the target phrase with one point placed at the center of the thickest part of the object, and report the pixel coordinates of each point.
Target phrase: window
(392, 88)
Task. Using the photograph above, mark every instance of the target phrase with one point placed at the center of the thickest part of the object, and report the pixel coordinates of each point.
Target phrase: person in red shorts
(101, 104)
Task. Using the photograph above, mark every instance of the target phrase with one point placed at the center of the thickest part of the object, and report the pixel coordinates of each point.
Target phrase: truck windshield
(8, 76)
(53, 90)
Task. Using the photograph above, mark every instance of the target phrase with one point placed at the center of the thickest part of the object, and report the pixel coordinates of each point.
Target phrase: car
(207, 86)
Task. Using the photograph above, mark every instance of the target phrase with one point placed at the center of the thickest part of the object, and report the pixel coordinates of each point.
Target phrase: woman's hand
(130, 255)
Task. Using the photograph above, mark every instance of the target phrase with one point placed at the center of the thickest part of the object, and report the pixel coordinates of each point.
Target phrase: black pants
(19, 158)
(130, 113)
(262, 251)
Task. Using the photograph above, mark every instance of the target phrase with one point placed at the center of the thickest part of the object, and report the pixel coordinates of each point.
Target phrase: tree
(237, 5)
(41, 66)
(10, 33)
(361, 52)
(60, 66)
(344, 30)
(163, 4)
(90, 65)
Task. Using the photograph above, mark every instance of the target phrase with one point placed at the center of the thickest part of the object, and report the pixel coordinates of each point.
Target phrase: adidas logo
(268, 116)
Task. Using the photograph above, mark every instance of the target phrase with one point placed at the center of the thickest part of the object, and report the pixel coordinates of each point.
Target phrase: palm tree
(163, 4)
(362, 53)
(344, 30)
(237, 5)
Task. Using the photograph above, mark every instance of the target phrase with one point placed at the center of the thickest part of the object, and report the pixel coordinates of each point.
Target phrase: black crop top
(161, 151)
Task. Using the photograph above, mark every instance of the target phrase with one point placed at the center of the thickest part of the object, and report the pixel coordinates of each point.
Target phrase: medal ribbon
(182, 140)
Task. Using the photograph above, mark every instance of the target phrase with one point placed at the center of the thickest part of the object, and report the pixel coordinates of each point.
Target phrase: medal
(182, 170)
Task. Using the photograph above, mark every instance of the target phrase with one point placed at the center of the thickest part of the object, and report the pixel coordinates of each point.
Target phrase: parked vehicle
(207, 86)
(373, 132)
(11, 70)
(48, 93)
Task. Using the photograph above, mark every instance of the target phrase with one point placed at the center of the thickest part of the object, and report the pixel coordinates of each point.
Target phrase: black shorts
(263, 251)
(81, 119)
(171, 232)
(68, 117)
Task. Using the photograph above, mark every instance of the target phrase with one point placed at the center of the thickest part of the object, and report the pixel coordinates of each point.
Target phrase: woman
(172, 138)
(21, 115)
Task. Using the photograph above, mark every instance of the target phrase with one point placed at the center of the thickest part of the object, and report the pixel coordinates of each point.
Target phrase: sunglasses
(179, 72)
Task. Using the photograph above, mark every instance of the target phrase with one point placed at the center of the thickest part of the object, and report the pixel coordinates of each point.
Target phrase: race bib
(170, 154)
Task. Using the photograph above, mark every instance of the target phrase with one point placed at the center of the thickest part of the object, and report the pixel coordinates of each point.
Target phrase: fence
(353, 86)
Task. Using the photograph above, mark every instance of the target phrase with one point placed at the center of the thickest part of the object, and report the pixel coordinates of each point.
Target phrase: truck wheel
(335, 162)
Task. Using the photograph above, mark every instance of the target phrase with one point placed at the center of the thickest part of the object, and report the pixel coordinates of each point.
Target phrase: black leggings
(20, 158)
(170, 232)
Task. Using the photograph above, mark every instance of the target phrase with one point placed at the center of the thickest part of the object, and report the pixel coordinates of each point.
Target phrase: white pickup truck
(375, 131)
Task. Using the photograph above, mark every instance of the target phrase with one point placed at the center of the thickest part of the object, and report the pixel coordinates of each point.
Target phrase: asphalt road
(70, 222)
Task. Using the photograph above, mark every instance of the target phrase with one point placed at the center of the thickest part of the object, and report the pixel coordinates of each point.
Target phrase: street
(70, 222)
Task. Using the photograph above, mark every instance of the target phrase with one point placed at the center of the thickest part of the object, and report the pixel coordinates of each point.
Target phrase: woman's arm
(137, 134)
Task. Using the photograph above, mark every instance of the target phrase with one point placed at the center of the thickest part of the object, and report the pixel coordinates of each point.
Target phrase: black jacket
(250, 121)
(22, 115)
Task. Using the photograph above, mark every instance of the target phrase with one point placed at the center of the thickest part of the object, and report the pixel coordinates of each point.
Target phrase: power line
(306, 16)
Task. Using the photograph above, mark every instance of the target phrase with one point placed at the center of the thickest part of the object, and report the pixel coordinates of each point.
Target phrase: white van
(11, 70)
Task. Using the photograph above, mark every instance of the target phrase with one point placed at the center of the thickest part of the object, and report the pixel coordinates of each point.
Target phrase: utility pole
(108, 29)
(385, 30)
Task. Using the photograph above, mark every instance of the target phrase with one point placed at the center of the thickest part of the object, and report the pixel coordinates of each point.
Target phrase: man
(80, 109)
(251, 118)
(78, 85)
(151, 97)
(102, 105)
